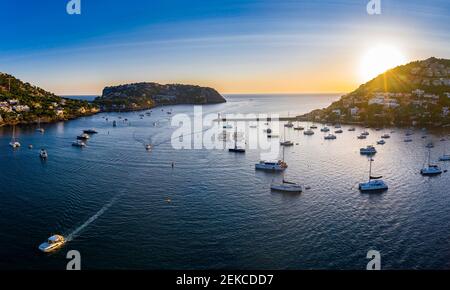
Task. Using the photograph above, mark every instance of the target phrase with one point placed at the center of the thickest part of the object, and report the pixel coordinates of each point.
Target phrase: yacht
(330, 137)
(83, 136)
(430, 169)
(369, 150)
(79, 143)
(14, 143)
(286, 186)
(375, 184)
(279, 165)
(53, 243)
(325, 129)
(271, 165)
(381, 142)
(43, 154)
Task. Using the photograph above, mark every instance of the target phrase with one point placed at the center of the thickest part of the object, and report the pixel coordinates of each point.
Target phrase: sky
(235, 46)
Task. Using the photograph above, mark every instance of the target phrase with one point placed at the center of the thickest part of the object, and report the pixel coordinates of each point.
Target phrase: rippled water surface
(111, 198)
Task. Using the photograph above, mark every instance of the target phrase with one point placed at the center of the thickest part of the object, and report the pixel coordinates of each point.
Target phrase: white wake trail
(74, 234)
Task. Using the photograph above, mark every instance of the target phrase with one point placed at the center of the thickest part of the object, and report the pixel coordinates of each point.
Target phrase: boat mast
(370, 168)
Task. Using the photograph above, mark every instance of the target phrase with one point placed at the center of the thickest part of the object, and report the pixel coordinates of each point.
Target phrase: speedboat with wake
(53, 243)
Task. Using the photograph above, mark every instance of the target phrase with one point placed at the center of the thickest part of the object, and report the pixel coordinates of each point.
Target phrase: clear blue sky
(235, 46)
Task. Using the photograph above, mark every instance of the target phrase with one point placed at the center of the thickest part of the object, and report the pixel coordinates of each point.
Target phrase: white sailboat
(236, 149)
(39, 128)
(444, 157)
(286, 186)
(286, 142)
(14, 143)
(430, 169)
(374, 184)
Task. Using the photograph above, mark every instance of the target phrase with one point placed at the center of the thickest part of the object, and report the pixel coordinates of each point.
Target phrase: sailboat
(286, 142)
(289, 123)
(298, 127)
(309, 132)
(286, 186)
(236, 149)
(430, 169)
(374, 184)
(444, 157)
(39, 128)
(14, 143)
(279, 165)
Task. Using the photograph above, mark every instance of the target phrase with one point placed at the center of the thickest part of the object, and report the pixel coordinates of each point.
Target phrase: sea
(124, 207)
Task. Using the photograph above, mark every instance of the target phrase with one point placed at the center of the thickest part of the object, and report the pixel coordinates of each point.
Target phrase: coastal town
(22, 103)
(411, 95)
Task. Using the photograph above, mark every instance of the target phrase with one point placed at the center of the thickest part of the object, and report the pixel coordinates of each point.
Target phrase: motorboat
(430, 145)
(148, 147)
(330, 137)
(53, 243)
(362, 137)
(352, 129)
(381, 142)
(286, 186)
(79, 143)
(369, 150)
(338, 126)
(339, 131)
(308, 132)
(365, 133)
(299, 128)
(313, 127)
(272, 136)
(375, 184)
(90, 131)
(83, 136)
(407, 140)
(386, 136)
(325, 129)
(114, 123)
(43, 154)
(271, 165)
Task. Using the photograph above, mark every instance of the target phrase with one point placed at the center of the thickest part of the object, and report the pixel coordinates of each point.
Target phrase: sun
(379, 59)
